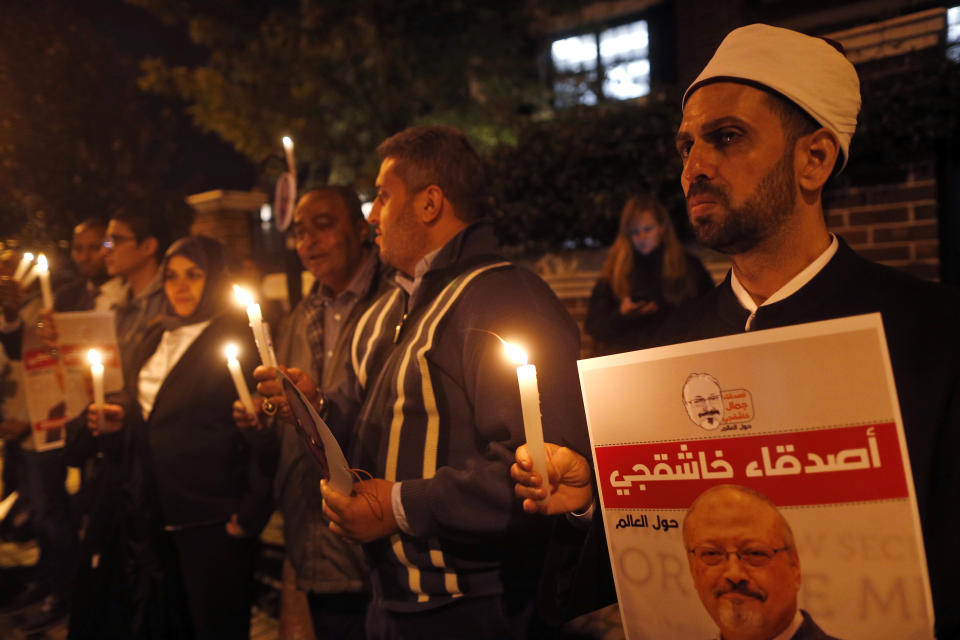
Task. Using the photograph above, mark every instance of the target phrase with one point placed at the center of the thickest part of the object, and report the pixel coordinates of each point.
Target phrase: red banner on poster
(822, 466)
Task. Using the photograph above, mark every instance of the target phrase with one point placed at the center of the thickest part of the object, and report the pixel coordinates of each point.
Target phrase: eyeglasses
(757, 556)
(111, 242)
(700, 402)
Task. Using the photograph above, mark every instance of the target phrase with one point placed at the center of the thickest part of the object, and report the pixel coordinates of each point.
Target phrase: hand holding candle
(242, 391)
(96, 372)
(530, 405)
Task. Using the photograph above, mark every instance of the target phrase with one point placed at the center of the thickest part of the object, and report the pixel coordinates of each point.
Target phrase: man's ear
(815, 156)
(150, 245)
(430, 204)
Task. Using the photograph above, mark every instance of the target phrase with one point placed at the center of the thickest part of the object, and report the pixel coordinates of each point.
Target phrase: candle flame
(29, 256)
(287, 142)
(515, 352)
(42, 265)
(243, 296)
(93, 357)
(231, 351)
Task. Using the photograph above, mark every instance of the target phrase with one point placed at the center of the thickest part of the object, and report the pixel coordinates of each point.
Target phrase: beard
(744, 227)
(405, 243)
(741, 618)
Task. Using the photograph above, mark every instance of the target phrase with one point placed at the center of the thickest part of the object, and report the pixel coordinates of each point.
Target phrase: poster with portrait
(759, 482)
(56, 380)
(45, 392)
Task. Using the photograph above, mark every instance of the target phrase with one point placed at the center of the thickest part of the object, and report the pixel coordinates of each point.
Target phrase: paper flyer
(80, 331)
(791, 443)
(55, 380)
(316, 436)
(45, 391)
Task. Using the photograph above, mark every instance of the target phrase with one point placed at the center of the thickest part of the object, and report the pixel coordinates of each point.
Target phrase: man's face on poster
(703, 401)
(743, 563)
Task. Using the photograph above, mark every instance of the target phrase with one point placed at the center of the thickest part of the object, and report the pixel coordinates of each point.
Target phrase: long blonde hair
(618, 267)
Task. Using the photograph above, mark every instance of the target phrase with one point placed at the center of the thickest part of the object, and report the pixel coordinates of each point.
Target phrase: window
(953, 33)
(611, 63)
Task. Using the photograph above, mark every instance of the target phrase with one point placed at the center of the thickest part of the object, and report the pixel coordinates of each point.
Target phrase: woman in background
(646, 273)
(197, 490)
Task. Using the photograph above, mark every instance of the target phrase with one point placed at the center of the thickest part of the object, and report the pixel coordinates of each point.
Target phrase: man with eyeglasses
(134, 244)
(745, 566)
(703, 401)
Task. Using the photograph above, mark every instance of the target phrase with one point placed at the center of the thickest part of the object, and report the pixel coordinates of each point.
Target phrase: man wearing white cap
(765, 124)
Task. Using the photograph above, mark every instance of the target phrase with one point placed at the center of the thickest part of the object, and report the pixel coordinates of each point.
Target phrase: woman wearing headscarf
(646, 273)
(198, 490)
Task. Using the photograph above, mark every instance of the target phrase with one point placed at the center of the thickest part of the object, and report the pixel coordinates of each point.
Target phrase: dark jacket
(203, 467)
(441, 413)
(809, 630)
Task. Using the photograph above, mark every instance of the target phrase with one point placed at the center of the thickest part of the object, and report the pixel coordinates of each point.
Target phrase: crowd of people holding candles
(446, 373)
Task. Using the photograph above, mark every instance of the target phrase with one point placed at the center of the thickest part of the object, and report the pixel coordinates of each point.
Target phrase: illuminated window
(953, 33)
(610, 63)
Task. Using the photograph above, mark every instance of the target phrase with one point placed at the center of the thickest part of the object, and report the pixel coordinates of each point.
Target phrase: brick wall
(894, 223)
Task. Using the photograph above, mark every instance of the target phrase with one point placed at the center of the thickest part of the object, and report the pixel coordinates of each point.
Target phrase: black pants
(217, 574)
(338, 616)
(44, 475)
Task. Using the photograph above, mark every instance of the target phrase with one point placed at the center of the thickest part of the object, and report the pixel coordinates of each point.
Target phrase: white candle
(25, 263)
(530, 405)
(44, 272)
(288, 151)
(96, 372)
(261, 335)
(234, 365)
(31, 275)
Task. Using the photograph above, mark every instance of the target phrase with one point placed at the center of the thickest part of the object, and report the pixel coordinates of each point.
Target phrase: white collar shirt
(795, 284)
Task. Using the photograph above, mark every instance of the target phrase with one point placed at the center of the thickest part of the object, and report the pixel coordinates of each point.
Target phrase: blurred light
(627, 80)
(575, 53)
(623, 54)
(627, 41)
(366, 208)
(266, 213)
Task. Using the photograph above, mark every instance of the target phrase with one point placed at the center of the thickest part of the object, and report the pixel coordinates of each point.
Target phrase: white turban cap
(809, 71)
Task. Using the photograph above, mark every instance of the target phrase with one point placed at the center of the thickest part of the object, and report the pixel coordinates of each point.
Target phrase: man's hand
(570, 487)
(365, 515)
(272, 390)
(112, 419)
(245, 420)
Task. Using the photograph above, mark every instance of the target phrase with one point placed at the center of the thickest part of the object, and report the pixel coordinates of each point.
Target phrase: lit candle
(234, 365)
(288, 151)
(530, 405)
(43, 269)
(25, 263)
(96, 372)
(261, 335)
(31, 275)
